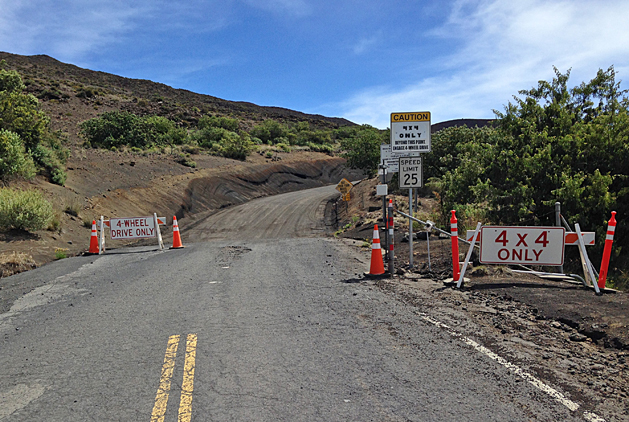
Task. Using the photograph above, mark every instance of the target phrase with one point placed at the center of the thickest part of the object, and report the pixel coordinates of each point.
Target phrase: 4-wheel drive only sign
(522, 245)
(132, 228)
(410, 133)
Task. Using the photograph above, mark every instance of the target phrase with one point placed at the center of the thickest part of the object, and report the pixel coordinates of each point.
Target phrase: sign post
(410, 177)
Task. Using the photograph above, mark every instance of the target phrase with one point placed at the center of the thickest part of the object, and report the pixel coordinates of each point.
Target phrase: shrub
(236, 146)
(227, 123)
(121, 128)
(14, 161)
(269, 131)
(15, 262)
(51, 163)
(24, 210)
(61, 253)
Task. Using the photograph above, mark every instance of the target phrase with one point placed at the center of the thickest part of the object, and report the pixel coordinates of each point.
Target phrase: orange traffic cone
(377, 265)
(93, 240)
(176, 237)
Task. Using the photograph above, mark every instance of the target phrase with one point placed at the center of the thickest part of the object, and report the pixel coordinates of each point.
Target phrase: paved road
(241, 330)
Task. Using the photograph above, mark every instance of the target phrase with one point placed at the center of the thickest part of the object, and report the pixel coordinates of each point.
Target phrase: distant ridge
(460, 122)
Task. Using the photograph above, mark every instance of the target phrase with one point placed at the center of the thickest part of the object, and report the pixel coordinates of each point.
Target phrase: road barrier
(391, 239)
(454, 235)
(578, 238)
(176, 236)
(377, 265)
(607, 251)
(94, 247)
(127, 228)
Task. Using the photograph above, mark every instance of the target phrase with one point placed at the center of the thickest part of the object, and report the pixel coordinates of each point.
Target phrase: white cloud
(364, 44)
(65, 29)
(504, 46)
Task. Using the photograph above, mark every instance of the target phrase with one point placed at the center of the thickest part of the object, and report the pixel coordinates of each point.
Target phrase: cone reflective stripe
(607, 251)
(377, 265)
(176, 236)
(94, 240)
(454, 235)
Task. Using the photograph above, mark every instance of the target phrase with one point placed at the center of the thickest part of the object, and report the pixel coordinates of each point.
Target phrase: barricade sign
(132, 228)
(160, 220)
(522, 245)
(589, 238)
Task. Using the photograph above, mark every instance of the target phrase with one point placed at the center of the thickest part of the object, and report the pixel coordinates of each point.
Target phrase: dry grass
(15, 262)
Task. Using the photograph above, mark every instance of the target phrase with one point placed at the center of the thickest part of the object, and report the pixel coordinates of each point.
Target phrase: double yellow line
(185, 402)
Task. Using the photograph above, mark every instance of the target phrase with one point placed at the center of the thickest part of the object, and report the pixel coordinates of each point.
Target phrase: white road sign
(132, 228)
(388, 159)
(410, 133)
(522, 245)
(411, 173)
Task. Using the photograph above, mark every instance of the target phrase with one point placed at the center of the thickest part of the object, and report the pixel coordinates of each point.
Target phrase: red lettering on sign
(517, 254)
(502, 238)
(521, 237)
(543, 239)
(500, 253)
(537, 254)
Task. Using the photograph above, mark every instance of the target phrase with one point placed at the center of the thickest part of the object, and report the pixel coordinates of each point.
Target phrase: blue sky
(360, 60)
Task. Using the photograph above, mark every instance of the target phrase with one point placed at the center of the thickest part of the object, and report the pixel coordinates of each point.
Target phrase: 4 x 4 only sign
(410, 133)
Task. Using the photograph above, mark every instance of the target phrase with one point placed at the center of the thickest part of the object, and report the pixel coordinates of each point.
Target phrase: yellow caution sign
(344, 186)
(346, 196)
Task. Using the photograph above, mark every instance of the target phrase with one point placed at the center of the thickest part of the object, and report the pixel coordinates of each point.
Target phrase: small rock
(69, 242)
(577, 337)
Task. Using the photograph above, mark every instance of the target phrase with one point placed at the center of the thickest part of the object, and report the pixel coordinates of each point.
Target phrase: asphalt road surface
(270, 323)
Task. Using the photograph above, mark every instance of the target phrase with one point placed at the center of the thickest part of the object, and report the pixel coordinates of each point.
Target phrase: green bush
(121, 128)
(227, 123)
(52, 164)
(14, 161)
(236, 146)
(269, 131)
(24, 210)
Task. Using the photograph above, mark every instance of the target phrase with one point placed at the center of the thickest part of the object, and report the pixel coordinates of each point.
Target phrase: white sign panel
(411, 173)
(522, 245)
(410, 133)
(132, 228)
(388, 159)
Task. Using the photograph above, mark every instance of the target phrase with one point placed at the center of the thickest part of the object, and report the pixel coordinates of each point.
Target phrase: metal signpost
(410, 177)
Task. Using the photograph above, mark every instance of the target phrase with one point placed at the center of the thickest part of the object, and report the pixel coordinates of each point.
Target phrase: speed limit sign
(411, 173)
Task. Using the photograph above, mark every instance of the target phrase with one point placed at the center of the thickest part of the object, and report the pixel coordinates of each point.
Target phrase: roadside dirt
(561, 332)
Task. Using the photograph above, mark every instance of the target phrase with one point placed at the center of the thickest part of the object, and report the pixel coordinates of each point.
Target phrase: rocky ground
(561, 332)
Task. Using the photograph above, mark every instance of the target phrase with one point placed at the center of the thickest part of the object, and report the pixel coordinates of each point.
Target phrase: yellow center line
(161, 399)
(185, 403)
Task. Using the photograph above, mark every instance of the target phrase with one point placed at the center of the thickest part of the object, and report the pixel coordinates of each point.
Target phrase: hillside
(70, 95)
(127, 183)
